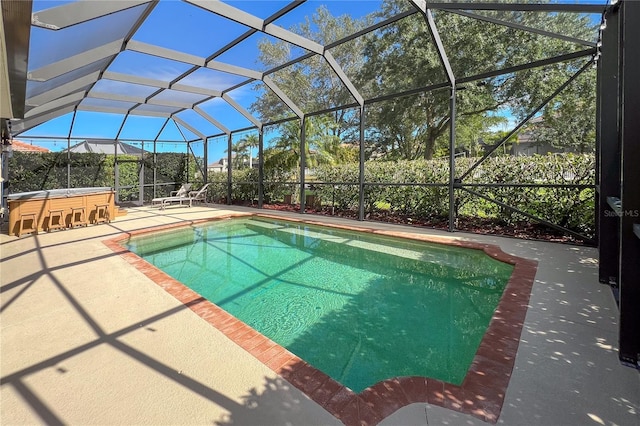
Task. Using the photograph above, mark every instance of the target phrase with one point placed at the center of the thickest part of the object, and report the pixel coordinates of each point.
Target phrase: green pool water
(360, 307)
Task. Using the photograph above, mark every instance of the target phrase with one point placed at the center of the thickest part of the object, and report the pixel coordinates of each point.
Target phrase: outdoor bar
(59, 208)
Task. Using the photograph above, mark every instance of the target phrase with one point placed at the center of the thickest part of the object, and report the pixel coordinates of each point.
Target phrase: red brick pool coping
(481, 394)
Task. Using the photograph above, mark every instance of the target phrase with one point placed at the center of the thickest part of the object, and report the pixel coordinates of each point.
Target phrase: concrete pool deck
(86, 338)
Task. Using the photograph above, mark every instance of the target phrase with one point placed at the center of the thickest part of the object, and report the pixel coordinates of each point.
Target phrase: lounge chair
(183, 192)
(199, 195)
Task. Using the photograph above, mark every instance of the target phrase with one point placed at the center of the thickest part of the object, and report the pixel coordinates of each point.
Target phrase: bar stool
(34, 224)
(81, 220)
(56, 214)
(102, 214)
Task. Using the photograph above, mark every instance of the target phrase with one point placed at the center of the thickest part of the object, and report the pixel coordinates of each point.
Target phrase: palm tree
(322, 145)
(285, 153)
(239, 154)
(247, 143)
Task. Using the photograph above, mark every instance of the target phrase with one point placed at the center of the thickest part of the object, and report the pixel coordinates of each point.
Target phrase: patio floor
(86, 338)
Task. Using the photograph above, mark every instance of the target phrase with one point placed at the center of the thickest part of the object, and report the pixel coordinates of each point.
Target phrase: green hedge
(572, 208)
(244, 188)
(55, 170)
(337, 186)
(569, 207)
(45, 171)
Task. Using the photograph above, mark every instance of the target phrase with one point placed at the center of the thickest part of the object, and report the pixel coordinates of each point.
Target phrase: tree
(322, 146)
(414, 126)
(472, 132)
(238, 154)
(285, 153)
(247, 143)
(402, 56)
(311, 84)
(569, 121)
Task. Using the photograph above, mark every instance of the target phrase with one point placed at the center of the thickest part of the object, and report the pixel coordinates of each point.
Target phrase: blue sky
(173, 25)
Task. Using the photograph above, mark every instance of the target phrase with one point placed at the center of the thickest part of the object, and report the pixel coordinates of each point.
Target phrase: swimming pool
(362, 308)
(482, 391)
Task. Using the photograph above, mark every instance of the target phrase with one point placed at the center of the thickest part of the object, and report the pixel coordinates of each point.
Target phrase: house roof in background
(220, 163)
(105, 147)
(26, 147)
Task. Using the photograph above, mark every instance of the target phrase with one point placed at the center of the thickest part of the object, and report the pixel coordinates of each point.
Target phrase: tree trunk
(430, 145)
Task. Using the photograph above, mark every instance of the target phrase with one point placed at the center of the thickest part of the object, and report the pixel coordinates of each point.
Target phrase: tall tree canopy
(569, 121)
(414, 125)
(402, 56)
(312, 84)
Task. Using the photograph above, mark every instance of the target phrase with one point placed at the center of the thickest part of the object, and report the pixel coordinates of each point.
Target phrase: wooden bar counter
(42, 203)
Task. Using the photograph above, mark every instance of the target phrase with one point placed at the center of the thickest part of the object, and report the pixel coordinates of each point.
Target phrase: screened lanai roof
(143, 66)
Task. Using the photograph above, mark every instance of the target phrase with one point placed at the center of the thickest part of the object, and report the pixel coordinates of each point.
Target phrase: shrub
(407, 194)
(416, 189)
(55, 170)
